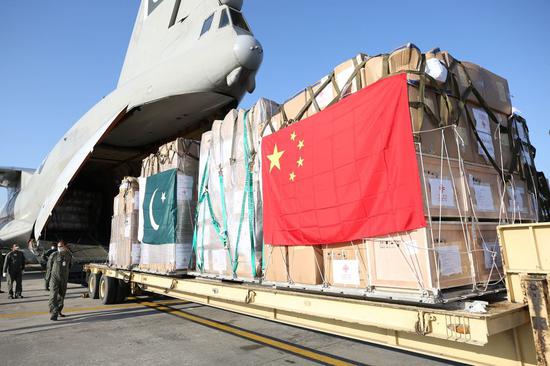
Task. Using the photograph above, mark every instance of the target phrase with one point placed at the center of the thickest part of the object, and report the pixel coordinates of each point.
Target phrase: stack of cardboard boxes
(183, 156)
(124, 248)
(471, 181)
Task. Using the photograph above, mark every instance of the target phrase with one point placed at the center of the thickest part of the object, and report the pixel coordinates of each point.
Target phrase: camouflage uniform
(46, 257)
(57, 276)
(14, 264)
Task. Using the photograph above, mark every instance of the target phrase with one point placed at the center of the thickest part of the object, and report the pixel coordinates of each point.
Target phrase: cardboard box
(454, 140)
(276, 263)
(375, 69)
(294, 105)
(345, 265)
(435, 258)
(124, 247)
(493, 88)
(443, 186)
(495, 139)
(305, 265)
(405, 58)
(321, 94)
(484, 191)
(519, 202)
(487, 256)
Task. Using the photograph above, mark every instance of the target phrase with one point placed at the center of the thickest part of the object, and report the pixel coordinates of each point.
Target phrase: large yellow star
(300, 162)
(275, 159)
(293, 136)
(292, 176)
(300, 144)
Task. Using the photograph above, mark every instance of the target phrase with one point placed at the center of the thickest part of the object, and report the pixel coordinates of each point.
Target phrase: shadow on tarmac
(97, 316)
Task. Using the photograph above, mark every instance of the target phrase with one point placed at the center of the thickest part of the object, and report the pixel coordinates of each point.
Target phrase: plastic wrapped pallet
(181, 156)
(229, 230)
(124, 247)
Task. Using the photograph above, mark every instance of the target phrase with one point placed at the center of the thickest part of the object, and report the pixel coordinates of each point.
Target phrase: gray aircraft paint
(172, 77)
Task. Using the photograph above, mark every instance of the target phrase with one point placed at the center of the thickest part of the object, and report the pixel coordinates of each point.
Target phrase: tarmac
(163, 331)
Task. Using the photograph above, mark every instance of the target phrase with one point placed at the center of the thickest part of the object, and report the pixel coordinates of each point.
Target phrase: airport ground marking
(297, 350)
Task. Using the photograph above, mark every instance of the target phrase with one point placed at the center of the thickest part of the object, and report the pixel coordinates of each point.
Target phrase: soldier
(14, 265)
(57, 276)
(45, 258)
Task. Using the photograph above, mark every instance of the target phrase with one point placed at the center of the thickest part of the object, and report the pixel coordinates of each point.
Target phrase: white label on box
(442, 192)
(482, 121)
(491, 255)
(346, 272)
(185, 187)
(219, 260)
(450, 262)
(488, 142)
(484, 197)
(136, 253)
(515, 199)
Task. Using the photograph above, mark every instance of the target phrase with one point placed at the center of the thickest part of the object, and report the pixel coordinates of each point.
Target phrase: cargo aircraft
(187, 64)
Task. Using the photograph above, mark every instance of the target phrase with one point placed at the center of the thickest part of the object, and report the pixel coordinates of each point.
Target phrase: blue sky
(60, 57)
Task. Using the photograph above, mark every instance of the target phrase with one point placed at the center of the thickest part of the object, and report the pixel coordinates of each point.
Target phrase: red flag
(346, 173)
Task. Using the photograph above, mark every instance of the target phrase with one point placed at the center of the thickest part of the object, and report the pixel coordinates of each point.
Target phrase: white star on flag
(163, 197)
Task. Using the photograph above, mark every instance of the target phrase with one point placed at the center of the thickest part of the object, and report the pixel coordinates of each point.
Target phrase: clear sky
(60, 57)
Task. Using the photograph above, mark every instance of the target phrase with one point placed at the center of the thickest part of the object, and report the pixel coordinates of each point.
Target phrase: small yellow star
(292, 176)
(275, 159)
(300, 144)
(300, 162)
(293, 136)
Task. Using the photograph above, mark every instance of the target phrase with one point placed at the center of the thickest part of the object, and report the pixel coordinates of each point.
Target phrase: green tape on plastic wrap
(202, 194)
(248, 195)
(224, 236)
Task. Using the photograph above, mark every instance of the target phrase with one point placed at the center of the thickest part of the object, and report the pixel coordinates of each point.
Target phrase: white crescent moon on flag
(151, 216)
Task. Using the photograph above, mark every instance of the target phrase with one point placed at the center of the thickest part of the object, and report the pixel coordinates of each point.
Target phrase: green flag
(160, 209)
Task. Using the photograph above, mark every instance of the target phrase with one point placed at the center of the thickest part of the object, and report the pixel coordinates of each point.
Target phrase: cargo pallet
(513, 332)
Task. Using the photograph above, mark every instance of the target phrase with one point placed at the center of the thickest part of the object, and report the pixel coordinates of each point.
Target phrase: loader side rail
(502, 336)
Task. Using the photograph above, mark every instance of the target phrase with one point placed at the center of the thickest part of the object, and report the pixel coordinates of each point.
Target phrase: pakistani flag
(160, 209)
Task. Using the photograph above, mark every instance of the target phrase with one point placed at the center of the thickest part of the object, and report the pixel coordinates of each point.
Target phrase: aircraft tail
(153, 23)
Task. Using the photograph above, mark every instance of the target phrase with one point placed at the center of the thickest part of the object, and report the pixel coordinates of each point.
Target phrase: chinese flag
(346, 173)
